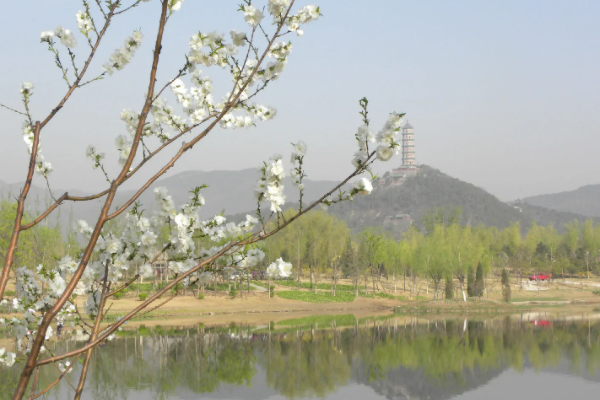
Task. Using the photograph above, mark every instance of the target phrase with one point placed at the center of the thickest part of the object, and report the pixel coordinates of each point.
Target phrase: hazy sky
(502, 94)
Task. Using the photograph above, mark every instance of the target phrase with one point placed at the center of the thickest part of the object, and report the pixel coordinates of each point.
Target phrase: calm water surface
(344, 358)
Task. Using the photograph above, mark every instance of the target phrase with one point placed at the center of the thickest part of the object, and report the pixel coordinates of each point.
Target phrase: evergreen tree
(470, 282)
(479, 285)
(449, 288)
(347, 259)
(505, 286)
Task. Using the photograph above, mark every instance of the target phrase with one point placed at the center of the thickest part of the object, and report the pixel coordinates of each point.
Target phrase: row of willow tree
(441, 255)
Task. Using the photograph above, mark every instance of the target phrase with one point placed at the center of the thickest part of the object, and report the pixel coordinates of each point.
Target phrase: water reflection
(329, 356)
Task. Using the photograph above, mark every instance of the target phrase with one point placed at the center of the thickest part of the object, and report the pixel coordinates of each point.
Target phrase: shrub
(143, 296)
(200, 296)
(177, 288)
(233, 293)
(119, 295)
(272, 291)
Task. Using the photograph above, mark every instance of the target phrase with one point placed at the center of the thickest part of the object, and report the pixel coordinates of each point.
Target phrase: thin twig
(12, 109)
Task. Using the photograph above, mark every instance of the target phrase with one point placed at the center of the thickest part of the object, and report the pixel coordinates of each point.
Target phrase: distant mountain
(229, 191)
(431, 189)
(233, 192)
(584, 201)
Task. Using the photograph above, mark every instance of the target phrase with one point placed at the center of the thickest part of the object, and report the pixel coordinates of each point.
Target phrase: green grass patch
(321, 286)
(319, 297)
(264, 284)
(320, 320)
(142, 287)
(381, 295)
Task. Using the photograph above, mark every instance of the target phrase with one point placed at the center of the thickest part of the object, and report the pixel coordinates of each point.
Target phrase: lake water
(343, 357)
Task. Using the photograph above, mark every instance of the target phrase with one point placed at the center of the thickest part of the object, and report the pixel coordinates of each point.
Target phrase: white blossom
(238, 38)
(66, 37)
(84, 22)
(64, 367)
(146, 271)
(277, 7)
(363, 186)
(279, 269)
(26, 88)
(175, 5)
(253, 15)
(46, 35)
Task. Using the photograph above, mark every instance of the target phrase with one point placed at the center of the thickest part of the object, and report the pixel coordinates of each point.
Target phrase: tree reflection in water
(313, 357)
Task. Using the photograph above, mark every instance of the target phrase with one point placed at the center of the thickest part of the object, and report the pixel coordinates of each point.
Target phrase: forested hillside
(432, 189)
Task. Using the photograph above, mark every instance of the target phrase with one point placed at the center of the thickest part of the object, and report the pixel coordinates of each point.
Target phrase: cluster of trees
(41, 244)
(443, 255)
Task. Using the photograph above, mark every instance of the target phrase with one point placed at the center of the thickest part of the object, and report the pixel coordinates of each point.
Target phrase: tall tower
(408, 146)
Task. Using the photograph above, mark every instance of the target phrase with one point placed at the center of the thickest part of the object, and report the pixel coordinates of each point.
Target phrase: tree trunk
(394, 283)
(334, 281)
(373, 278)
(298, 268)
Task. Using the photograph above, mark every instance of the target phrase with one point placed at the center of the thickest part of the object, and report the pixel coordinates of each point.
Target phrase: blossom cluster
(387, 137)
(305, 15)
(135, 249)
(211, 49)
(7, 358)
(93, 154)
(84, 22)
(42, 167)
(174, 5)
(385, 145)
(252, 15)
(65, 35)
(279, 269)
(294, 22)
(33, 302)
(270, 185)
(122, 56)
(386, 141)
(297, 160)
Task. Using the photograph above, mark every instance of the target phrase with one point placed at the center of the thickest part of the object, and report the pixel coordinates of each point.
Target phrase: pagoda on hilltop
(409, 165)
